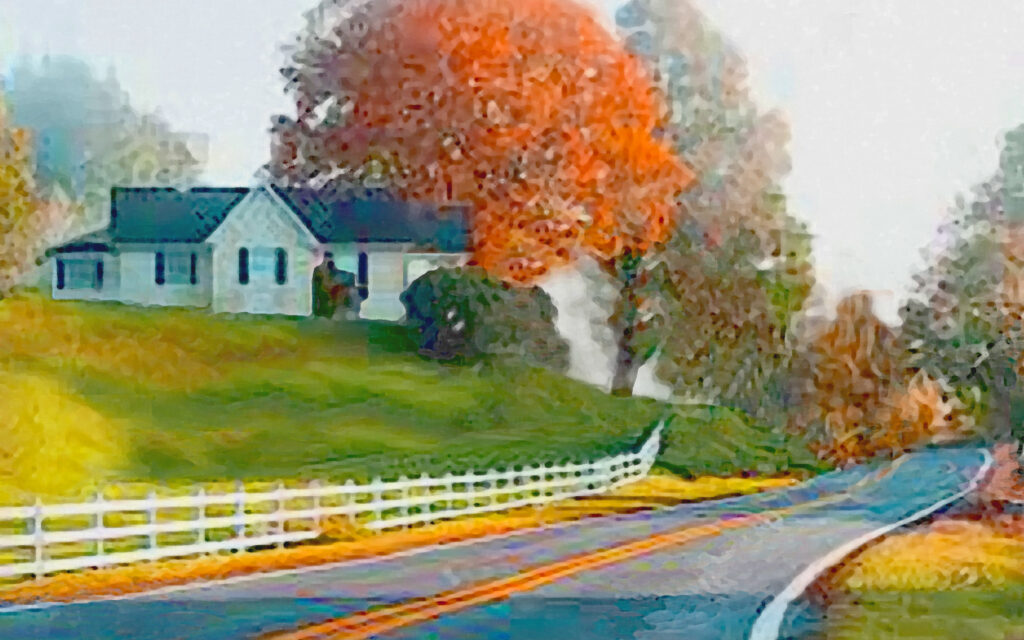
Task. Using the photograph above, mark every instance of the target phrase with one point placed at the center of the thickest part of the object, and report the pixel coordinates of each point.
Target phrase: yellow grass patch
(948, 555)
(51, 442)
(352, 542)
(172, 349)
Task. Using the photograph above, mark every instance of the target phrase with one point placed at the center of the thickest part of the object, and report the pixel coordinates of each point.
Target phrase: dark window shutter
(60, 274)
(159, 267)
(192, 275)
(281, 266)
(243, 266)
(99, 274)
(363, 277)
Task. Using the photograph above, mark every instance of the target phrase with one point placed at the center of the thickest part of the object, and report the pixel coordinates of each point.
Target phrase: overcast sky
(895, 106)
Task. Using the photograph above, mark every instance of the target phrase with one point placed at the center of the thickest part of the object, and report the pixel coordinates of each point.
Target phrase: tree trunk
(1001, 412)
(627, 364)
(622, 321)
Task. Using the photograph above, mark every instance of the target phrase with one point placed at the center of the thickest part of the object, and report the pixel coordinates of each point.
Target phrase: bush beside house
(463, 314)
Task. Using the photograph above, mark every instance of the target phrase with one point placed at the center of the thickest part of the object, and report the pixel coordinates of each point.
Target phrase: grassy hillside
(108, 392)
(182, 395)
(716, 441)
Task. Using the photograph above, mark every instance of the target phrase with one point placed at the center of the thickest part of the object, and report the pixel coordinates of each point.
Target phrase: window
(363, 276)
(80, 274)
(281, 266)
(243, 266)
(178, 268)
(175, 268)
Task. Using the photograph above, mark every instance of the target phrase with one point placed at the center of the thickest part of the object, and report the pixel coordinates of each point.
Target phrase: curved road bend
(694, 571)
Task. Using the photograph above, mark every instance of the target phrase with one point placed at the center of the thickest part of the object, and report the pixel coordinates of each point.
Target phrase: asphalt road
(710, 587)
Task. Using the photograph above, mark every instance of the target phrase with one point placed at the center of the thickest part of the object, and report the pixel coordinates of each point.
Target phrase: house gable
(261, 217)
(263, 259)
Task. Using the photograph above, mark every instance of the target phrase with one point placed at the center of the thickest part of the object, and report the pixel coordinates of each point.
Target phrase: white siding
(385, 283)
(260, 222)
(108, 289)
(418, 264)
(138, 276)
(391, 269)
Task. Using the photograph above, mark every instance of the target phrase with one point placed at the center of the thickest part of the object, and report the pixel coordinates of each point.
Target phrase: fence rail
(45, 538)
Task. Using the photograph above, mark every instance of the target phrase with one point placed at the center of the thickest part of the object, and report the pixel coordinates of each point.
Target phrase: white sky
(895, 105)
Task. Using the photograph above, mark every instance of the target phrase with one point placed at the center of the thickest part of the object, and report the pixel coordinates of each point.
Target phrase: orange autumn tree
(528, 110)
(861, 398)
(27, 222)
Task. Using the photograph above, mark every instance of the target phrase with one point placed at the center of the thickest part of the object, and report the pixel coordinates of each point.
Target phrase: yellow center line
(373, 622)
(388, 618)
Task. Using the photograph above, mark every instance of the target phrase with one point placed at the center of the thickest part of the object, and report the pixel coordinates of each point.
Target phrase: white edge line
(769, 623)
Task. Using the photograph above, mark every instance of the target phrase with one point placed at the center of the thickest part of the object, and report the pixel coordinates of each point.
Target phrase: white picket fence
(44, 538)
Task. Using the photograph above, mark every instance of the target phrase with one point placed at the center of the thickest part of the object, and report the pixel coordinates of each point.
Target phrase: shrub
(333, 291)
(463, 314)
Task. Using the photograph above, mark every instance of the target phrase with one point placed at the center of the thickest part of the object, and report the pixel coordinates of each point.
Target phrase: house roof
(169, 215)
(158, 215)
(372, 215)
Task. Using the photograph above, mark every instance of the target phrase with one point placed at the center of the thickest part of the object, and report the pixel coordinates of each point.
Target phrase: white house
(253, 250)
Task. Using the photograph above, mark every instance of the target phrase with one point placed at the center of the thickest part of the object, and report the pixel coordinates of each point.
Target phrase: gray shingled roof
(373, 216)
(169, 215)
(152, 215)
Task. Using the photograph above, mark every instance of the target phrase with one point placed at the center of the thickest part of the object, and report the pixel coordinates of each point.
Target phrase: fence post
(489, 484)
(533, 477)
(404, 481)
(377, 499)
(470, 486)
(151, 518)
(39, 539)
(349, 500)
(200, 515)
(240, 511)
(427, 517)
(449, 491)
(98, 524)
(278, 511)
(314, 486)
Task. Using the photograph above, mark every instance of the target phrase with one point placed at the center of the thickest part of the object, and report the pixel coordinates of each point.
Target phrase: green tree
(963, 323)
(89, 138)
(721, 294)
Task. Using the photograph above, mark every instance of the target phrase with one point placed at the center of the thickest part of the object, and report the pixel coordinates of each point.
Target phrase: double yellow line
(374, 622)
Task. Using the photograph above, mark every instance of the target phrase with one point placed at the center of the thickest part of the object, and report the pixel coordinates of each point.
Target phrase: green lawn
(708, 440)
(970, 614)
(194, 396)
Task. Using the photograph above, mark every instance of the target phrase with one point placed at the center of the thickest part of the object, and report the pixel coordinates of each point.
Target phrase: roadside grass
(947, 555)
(705, 440)
(951, 579)
(978, 613)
